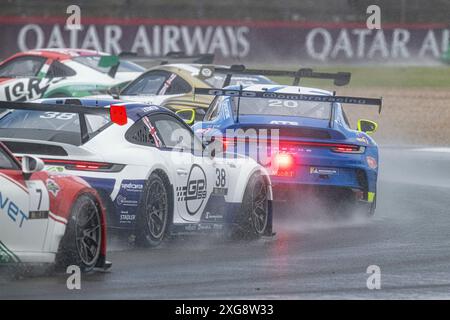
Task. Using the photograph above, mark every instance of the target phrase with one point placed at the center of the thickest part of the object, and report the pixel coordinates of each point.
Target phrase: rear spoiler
(171, 57)
(117, 113)
(290, 96)
(339, 78)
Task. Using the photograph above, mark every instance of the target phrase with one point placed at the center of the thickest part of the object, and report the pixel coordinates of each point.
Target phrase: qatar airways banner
(233, 41)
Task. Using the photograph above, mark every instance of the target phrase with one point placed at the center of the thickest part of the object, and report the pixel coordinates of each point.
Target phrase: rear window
(50, 126)
(284, 107)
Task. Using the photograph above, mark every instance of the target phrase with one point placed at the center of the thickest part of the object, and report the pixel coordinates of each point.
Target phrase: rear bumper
(299, 193)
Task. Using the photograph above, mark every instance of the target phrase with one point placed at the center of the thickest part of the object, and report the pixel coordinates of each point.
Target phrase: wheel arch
(237, 195)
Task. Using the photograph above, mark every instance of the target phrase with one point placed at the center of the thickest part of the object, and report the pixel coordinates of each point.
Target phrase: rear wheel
(253, 219)
(154, 213)
(81, 244)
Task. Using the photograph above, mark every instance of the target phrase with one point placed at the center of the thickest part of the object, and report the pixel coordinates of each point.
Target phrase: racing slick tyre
(253, 218)
(81, 244)
(155, 211)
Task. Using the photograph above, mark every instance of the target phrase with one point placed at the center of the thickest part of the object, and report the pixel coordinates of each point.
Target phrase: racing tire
(253, 217)
(155, 212)
(82, 241)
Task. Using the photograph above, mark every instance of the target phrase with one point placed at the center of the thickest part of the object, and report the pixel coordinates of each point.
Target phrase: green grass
(375, 76)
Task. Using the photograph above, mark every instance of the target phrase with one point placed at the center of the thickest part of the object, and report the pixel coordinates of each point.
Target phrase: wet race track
(408, 238)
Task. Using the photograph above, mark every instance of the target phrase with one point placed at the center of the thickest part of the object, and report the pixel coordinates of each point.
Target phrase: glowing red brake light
(283, 164)
(347, 148)
(118, 114)
(283, 160)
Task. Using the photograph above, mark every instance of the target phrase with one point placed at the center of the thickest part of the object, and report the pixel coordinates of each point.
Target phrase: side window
(177, 86)
(213, 110)
(22, 67)
(344, 115)
(6, 162)
(175, 134)
(147, 84)
(140, 134)
(59, 70)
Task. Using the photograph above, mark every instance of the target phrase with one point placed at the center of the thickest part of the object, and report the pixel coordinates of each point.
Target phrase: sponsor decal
(25, 89)
(123, 201)
(130, 186)
(220, 191)
(325, 171)
(53, 187)
(195, 191)
(127, 218)
(56, 169)
(284, 123)
(213, 216)
(362, 138)
(12, 210)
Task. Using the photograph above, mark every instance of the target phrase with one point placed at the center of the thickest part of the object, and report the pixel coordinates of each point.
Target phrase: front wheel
(154, 212)
(253, 219)
(81, 244)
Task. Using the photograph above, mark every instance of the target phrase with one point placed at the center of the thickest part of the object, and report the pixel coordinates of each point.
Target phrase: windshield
(92, 62)
(50, 126)
(281, 107)
(217, 80)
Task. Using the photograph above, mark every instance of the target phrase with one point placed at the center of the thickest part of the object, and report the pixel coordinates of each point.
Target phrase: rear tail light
(85, 165)
(348, 148)
(291, 145)
(283, 164)
(284, 160)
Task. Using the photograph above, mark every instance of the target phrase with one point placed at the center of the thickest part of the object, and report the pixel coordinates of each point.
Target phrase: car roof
(60, 54)
(135, 110)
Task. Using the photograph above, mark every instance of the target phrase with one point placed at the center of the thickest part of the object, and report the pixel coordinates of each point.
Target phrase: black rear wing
(117, 113)
(339, 78)
(171, 57)
(290, 96)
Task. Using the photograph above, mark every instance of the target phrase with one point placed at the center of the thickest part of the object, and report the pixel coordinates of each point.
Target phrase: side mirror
(367, 126)
(31, 164)
(114, 92)
(188, 115)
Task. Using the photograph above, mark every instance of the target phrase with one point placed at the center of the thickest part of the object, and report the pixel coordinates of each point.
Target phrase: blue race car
(303, 137)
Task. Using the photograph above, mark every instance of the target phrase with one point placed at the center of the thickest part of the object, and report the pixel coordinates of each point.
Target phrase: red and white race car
(48, 219)
(46, 73)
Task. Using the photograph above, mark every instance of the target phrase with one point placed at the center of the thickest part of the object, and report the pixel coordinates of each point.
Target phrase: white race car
(62, 73)
(154, 175)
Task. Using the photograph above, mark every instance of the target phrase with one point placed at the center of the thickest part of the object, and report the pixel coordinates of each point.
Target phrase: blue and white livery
(153, 174)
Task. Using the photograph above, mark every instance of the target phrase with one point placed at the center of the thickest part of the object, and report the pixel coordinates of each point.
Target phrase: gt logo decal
(195, 191)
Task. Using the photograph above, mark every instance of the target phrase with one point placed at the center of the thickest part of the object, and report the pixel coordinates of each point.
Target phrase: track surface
(409, 239)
